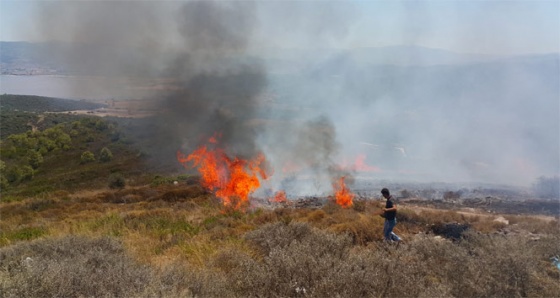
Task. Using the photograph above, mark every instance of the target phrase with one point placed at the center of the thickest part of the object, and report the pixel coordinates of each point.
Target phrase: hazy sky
(490, 27)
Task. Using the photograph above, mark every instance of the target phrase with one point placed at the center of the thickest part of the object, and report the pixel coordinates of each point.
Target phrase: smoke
(279, 77)
(218, 92)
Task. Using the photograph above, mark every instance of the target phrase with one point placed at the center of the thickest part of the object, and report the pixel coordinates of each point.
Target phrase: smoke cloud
(279, 77)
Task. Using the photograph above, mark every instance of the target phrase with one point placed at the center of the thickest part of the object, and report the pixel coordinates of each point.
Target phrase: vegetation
(175, 240)
(116, 181)
(61, 157)
(39, 104)
(105, 155)
(87, 156)
(108, 228)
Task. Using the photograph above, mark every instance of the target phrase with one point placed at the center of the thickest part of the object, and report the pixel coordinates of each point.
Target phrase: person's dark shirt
(390, 215)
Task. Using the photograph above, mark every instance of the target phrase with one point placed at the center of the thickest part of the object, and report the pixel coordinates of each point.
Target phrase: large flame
(342, 194)
(232, 179)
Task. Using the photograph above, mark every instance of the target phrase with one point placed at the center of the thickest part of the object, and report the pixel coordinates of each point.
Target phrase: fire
(279, 197)
(342, 193)
(232, 179)
(360, 165)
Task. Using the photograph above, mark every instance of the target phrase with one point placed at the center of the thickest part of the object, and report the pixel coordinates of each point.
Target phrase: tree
(105, 155)
(3, 181)
(27, 173)
(34, 158)
(13, 174)
(87, 156)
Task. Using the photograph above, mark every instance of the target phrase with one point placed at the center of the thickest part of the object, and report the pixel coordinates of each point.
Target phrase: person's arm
(394, 208)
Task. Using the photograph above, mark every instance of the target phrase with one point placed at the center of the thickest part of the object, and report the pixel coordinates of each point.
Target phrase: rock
(501, 219)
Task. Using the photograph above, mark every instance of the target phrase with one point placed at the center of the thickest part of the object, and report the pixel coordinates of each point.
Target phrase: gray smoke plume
(218, 94)
(286, 78)
(200, 48)
(193, 46)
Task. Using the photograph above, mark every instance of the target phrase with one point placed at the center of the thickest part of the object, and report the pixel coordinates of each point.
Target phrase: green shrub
(13, 174)
(34, 158)
(27, 173)
(3, 181)
(161, 180)
(4, 184)
(105, 155)
(87, 156)
(101, 125)
(116, 180)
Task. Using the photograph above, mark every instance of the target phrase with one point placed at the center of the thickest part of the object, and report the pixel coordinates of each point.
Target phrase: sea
(93, 88)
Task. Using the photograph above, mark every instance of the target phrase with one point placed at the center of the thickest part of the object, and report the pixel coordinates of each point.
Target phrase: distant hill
(39, 104)
(56, 57)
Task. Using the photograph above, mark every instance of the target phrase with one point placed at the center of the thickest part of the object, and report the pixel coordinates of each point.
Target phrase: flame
(232, 179)
(342, 193)
(358, 165)
(279, 197)
(361, 166)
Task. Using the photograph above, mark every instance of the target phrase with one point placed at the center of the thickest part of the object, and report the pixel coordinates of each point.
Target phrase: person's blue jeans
(388, 230)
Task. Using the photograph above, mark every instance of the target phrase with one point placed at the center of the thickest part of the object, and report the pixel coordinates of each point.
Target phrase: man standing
(390, 214)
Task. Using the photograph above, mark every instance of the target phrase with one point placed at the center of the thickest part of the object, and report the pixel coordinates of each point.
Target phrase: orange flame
(361, 166)
(358, 165)
(342, 193)
(279, 197)
(232, 180)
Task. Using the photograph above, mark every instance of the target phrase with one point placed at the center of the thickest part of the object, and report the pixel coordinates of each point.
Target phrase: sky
(482, 27)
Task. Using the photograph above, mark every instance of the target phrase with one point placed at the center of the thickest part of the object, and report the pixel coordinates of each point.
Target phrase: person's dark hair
(385, 191)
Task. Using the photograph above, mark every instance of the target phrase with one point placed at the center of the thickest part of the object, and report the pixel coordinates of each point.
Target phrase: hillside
(89, 202)
(177, 239)
(40, 104)
(66, 152)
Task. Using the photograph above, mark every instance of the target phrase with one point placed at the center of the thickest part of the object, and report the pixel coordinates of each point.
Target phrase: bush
(87, 156)
(13, 174)
(101, 125)
(27, 173)
(298, 260)
(3, 181)
(71, 267)
(116, 181)
(105, 155)
(35, 159)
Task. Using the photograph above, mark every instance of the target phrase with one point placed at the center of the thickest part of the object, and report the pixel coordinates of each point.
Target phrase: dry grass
(178, 241)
